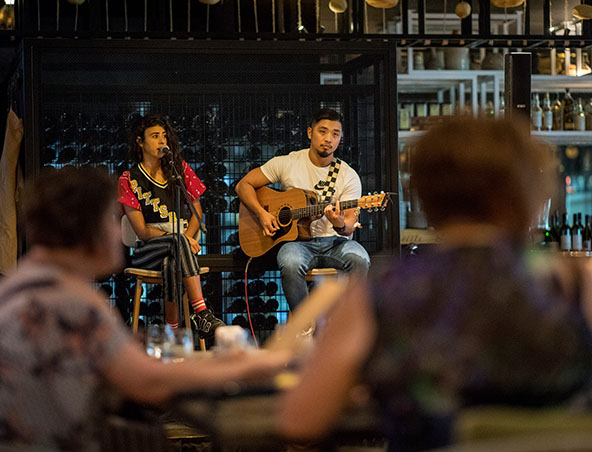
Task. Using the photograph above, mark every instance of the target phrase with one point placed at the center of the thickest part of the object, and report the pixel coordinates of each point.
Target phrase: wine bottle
(547, 113)
(404, 117)
(565, 234)
(577, 233)
(568, 111)
(580, 116)
(552, 234)
(588, 235)
(536, 114)
(588, 112)
(557, 114)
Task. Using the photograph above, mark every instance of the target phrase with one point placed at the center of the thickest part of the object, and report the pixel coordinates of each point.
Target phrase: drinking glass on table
(180, 346)
(159, 340)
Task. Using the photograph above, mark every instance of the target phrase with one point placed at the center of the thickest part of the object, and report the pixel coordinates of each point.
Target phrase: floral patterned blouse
(466, 326)
(56, 336)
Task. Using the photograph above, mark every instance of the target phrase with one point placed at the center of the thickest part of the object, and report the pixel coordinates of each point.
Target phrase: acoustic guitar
(294, 210)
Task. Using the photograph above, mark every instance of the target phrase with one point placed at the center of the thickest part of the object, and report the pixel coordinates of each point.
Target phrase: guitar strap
(329, 186)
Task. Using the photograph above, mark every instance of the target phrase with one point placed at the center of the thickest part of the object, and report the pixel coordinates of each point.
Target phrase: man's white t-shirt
(295, 170)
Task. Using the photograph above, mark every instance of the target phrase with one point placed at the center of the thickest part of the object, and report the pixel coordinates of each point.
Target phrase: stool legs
(136, 308)
(137, 295)
(186, 311)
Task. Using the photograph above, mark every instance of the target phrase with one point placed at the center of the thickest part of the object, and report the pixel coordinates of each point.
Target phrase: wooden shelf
(566, 137)
(418, 236)
(577, 253)
(557, 138)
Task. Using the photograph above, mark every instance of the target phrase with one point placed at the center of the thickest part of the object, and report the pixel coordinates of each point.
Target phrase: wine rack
(233, 110)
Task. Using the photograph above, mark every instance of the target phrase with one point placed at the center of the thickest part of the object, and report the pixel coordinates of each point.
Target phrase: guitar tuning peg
(375, 192)
(368, 193)
(382, 209)
(382, 192)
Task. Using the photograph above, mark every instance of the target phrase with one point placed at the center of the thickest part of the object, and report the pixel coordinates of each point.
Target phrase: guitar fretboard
(318, 209)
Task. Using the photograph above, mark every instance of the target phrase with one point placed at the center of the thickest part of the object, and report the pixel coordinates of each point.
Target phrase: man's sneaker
(205, 323)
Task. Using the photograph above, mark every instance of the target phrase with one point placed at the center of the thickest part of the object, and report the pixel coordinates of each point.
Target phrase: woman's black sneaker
(205, 323)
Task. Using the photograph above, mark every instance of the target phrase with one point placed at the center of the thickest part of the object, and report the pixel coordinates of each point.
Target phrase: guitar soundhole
(284, 216)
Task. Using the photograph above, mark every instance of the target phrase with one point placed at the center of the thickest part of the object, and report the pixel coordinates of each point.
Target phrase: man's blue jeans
(296, 258)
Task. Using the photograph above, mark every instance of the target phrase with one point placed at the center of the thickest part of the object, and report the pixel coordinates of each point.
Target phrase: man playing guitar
(315, 169)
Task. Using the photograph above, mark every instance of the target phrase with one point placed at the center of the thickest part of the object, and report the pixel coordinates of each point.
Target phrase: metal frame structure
(292, 24)
(384, 89)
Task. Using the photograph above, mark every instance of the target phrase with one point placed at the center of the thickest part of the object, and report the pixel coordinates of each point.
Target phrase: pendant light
(338, 6)
(582, 11)
(507, 3)
(7, 17)
(462, 10)
(209, 2)
(383, 3)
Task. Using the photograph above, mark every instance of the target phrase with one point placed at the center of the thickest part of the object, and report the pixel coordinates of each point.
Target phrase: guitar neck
(318, 209)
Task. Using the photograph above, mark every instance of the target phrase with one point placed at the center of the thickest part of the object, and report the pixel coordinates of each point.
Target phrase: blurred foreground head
(482, 171)
(69, 207)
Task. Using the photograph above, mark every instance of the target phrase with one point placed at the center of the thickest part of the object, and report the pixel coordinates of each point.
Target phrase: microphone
(165, 149)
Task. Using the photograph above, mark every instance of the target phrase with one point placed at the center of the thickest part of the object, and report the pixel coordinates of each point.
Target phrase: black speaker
(517, 71)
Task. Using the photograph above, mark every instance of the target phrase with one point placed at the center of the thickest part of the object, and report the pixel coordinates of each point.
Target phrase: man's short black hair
(325, 113)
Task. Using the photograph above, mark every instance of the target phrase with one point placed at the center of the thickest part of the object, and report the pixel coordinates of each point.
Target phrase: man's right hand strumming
(268, 223)
(246, 191)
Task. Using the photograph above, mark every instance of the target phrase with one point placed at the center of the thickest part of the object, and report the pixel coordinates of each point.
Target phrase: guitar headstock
(374, 202)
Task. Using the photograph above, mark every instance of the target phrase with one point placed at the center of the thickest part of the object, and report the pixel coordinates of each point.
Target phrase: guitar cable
(247, 302)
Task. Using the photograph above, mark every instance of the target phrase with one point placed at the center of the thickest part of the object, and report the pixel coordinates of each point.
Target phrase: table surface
(246, 415)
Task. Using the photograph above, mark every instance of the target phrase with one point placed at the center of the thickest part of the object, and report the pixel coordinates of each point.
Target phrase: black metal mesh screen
(233, 122)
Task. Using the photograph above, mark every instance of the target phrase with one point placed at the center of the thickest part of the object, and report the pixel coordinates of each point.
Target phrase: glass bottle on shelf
(434, 109)
(588, 113)
(489, 109)
(421, 109)
(502, 107)
(565, 234)
(577, 233)
(580, 116)
(404, 117)
(557, 114)
(536, 114)
(447, 109)
(552, 236)
(568, 112)
(588, 235)
(547, 113)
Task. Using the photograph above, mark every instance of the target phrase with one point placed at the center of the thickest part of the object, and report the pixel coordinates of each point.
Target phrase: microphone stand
(178, 180)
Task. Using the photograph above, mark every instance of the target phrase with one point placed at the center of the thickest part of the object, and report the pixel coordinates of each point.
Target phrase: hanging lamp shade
(209, 2)
(76, 2)
(383, 3)
(507, 3)
(338, 6)
(583, 12)
(7, 17)
(462, 10)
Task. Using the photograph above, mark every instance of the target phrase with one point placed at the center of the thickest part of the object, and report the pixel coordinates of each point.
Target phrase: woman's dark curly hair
(138, 130)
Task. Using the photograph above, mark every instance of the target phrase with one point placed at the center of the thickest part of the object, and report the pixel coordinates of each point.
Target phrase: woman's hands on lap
(195, 247)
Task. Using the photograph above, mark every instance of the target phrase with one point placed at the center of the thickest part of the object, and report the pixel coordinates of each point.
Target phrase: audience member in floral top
(58, 337)
(473, 321)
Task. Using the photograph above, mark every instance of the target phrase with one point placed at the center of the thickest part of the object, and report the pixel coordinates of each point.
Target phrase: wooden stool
(155, 277)
(316, 274)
